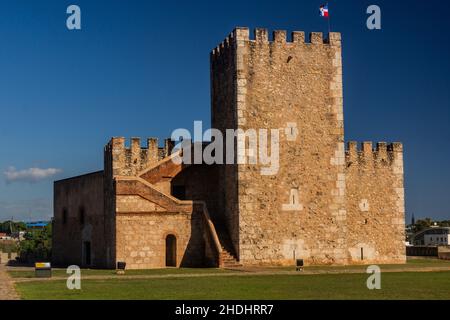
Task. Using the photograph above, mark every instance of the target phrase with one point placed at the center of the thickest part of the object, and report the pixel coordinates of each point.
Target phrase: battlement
(128, 160)
(261, 35)
(383, 153)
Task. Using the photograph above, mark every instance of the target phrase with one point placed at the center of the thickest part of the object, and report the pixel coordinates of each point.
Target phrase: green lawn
(406, 285)
(411, 265)
(94, 272)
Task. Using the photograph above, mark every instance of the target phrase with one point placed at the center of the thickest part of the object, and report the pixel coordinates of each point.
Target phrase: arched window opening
(171, 251)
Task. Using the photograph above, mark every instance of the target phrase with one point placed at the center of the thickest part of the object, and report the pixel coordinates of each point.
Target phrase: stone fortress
(328, 203)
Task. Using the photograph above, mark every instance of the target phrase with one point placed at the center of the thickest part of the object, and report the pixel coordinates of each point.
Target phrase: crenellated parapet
(375, 201)
(382, 155)
(244, 54)
(261, 35)
(129, 160)
(225, 45)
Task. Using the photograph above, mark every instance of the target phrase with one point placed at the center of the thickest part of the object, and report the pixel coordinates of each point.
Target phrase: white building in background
(437, 236)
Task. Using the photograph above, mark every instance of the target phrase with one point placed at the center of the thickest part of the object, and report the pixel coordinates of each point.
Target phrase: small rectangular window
(82, 216)
(64, 216)
(87, 253)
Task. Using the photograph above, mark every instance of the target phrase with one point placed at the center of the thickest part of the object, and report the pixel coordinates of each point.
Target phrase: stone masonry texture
(328, 203)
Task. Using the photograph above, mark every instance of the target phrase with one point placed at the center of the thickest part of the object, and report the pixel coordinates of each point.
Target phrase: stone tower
(316, 200)
(301, 211)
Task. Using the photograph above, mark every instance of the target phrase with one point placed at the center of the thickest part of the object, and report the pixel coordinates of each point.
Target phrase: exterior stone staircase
(229, 260)
(167, 168)
(228, 256)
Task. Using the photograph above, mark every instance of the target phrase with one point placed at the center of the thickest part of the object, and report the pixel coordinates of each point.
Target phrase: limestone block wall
(129, 161)
(375, 202)
(223, 61)
(74, 198)
(144, 217)
(6, 257)
(141, 237)
(322, 204)
(120, 160)
(277, 84)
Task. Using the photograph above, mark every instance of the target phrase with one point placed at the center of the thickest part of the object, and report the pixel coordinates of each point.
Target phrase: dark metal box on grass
(43, 270)
(299, 264)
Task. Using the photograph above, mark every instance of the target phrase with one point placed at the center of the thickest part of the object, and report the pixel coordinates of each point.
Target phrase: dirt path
(232, 274)
(7, 290)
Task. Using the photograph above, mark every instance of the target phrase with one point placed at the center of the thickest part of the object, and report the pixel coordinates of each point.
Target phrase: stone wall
(74, 198)
(6, 257)
(444, 252)
(141, 237)
(375, 203)
(130, 160)
(297, 84)
(323, 204)
(223, 60)
(300, 211)
(145, 216)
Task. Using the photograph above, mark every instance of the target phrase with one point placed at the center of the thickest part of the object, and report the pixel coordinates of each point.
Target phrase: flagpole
(329, 19)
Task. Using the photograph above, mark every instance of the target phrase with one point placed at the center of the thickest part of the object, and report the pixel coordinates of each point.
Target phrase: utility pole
(11, 225)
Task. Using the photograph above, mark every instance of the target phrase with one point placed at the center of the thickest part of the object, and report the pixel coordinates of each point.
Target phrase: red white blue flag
(324, 10)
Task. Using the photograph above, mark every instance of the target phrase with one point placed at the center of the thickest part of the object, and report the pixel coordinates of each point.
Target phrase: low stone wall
(5, 257)
(444, 252)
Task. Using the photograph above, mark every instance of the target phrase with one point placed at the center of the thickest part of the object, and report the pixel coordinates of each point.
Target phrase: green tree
(37, 244)
(426, 223)
(422, 224)
(10, 226)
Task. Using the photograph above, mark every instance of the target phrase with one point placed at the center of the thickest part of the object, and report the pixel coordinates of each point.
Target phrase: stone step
(229, 260)
(227, 249)
(227, 253)
(236, 265)
(228, 256)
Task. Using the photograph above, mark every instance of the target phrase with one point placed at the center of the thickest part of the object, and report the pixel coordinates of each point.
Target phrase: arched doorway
(171, 251)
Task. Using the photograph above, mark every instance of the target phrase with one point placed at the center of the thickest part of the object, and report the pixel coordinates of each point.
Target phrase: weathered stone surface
(277, 84)
(326, 204)
(74, 198)
(141, 239)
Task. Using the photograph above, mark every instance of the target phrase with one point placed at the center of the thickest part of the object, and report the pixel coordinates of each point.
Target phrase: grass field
(412, 265)
(406, 285)
(93, 272)
(333, 282)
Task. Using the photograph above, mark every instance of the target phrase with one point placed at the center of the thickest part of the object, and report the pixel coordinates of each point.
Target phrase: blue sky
(141, 68)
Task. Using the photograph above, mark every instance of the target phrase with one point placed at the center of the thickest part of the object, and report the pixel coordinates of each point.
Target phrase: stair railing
(213, 235)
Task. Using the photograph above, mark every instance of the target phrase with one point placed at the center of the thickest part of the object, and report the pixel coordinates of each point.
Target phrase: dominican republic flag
(324, 10)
